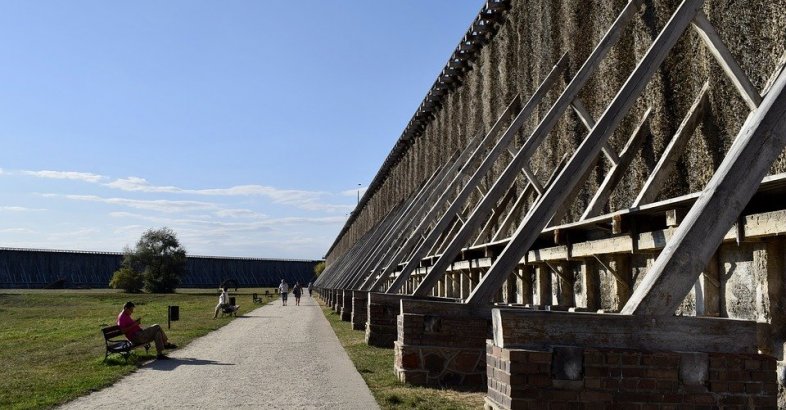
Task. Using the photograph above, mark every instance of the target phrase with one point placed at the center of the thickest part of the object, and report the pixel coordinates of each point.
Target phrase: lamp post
(358, 193)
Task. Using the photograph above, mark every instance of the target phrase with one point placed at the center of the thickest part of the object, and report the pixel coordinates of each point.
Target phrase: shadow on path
(173, 363)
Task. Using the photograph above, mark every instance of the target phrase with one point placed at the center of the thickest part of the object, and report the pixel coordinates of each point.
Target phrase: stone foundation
(346, 305)
(441, 343)
(381, 327)
(572, 377)
(359, 310)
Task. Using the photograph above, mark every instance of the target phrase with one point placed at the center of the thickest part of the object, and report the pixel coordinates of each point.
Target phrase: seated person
(223, 303)
(134, 332)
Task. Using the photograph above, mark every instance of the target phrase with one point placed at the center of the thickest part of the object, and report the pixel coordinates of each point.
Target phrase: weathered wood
(722, 54)
(497, 212)
(480, 173)
(586, 154)
(670, 156)
(589, 123)
(617, 172)
(538, 330)
(761, 139)
(434, 212)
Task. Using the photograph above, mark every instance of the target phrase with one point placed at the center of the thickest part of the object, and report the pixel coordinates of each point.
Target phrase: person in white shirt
(223, 299)
(283, 288)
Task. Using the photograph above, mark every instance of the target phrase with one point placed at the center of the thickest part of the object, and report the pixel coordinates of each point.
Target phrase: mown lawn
(52, 349)
(376, 366)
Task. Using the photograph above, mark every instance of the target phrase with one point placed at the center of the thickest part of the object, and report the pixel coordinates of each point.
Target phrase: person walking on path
(134, 332)
(283, 289)
(297, 290)
(309, 288)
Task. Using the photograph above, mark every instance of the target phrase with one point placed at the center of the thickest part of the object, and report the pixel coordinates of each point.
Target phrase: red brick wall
(615, 378)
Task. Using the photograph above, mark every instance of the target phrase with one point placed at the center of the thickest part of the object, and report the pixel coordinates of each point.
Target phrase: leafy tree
(158, 259)
(319, 267)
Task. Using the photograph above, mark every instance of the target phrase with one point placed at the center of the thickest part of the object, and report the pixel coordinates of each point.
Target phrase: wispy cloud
(72, 175)
(19, 209)
(159, 205)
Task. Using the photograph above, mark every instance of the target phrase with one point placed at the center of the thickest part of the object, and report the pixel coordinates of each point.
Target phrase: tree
(158, 259)
(125, 278)
(318, 268)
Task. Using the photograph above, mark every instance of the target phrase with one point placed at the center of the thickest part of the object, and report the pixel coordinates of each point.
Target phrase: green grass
(376, 366)
(52, 349)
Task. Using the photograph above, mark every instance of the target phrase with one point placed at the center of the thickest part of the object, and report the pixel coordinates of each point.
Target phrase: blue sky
(248, 127)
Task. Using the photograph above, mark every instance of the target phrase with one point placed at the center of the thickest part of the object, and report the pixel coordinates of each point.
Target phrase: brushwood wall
(530, 40)
(24, 268)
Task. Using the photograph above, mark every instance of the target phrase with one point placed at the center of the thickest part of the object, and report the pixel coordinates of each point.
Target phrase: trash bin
(174, 313)
(232, 301)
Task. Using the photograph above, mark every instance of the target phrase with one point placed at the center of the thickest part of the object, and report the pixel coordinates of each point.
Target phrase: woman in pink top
(136, 334)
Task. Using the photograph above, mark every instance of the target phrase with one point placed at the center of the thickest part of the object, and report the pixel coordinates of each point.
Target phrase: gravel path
(276, 357)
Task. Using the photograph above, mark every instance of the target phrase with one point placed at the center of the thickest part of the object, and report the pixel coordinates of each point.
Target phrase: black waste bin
(232, 301)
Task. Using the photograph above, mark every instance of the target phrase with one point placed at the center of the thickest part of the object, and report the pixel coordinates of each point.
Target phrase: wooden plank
(759, 142)
(538, 330)
(497, 212)
(480, 173)
(672, 153)
(722, 54)
(589, 122)
(586, 154)
(617, 172)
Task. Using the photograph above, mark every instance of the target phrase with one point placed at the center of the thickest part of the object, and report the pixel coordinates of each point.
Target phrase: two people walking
(297, 291)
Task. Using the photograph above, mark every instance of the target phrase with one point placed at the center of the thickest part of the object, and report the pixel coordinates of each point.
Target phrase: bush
(127, 279)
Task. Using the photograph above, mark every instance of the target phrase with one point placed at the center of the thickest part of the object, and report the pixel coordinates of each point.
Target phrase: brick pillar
(381, 324)
(441, 343)
(346, 305)
(572, 377)
(359, 309)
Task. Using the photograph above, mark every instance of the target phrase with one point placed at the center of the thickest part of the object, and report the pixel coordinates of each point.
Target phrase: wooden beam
(586, 154)
(669, 158)
(589, 123)
(617, 172)
(759, 142)
(538, 330)
(722, 54)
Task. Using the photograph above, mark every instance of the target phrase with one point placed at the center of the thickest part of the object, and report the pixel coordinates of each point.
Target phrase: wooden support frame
(483, 169)
(434, 212)
(759, 142)
(587, 152)
(615, 174)
(673, 151)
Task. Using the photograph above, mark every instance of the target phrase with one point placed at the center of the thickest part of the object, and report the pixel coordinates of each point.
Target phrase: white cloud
(19, 209)
(72, 175)
(159, 205)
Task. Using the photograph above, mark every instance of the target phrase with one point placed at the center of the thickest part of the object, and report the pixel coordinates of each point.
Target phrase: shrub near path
(52, 350)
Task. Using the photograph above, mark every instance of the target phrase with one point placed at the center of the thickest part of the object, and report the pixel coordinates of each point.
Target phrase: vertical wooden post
(525, 292)
(621, 263)
(542, 285)
(590, 283)
(566, 296)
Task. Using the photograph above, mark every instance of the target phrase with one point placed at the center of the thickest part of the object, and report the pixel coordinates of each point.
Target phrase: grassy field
(52, 350)
(376, 366)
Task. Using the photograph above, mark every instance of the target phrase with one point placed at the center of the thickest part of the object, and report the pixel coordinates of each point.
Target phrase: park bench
(114, 343)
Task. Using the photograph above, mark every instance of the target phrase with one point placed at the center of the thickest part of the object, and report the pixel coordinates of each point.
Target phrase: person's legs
(215, 314)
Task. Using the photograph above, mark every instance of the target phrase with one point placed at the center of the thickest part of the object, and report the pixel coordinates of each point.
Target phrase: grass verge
(52, 350)
(376, 366)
